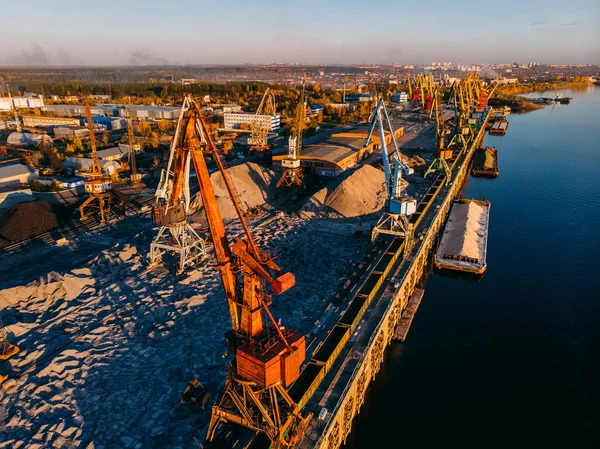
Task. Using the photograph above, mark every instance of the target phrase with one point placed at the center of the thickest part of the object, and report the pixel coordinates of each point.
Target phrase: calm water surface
(513, 359)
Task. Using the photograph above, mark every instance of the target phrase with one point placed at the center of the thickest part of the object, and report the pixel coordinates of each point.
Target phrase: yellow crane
(97, 185)
(292, 170)
(261, 126)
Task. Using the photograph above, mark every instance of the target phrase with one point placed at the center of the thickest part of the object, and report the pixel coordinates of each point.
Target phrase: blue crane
(398, 205)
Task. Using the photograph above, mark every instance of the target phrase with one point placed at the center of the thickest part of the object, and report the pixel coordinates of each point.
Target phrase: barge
(499, 128)
(485, 163)
(464, 242)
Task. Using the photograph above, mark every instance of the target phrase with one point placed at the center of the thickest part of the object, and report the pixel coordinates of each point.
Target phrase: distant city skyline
(186, 32)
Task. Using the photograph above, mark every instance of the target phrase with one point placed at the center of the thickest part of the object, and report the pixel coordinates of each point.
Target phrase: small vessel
(464, 243)
(566, 100)
(485, 163)
(542, 100)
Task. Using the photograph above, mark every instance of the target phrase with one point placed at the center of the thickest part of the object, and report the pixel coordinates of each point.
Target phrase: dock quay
(332, 385)
(408, 315)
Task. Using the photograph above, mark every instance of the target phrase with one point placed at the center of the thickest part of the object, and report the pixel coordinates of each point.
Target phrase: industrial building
(234, 120)
(71, 132)
(81, 164)
(400, 97)
(139, 112)
(337, 153)
(18, 139)
(359, 97)
(27, 101)
(107, 123)
(34, 120)
(116, 153)
(17, 174)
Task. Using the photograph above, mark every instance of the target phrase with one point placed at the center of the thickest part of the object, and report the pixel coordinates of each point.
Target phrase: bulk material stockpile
(464, 243)
(254, 185)
(27, 220)
(485, 162)
(358, 194)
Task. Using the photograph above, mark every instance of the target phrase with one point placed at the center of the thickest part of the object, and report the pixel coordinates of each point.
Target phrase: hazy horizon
(152, 33)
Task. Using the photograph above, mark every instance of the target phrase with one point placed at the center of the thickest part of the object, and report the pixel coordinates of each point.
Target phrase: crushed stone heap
(356, 194)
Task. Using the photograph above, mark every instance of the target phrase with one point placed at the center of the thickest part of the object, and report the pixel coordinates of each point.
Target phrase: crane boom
(96, 169)
(265, 361)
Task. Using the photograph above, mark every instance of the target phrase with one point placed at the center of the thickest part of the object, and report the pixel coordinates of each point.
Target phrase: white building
(117, 153)
(5, 104)
(29, 100)
(400, 97)
(234, 120)
(18, 139)
(16, 174)
(34, 120)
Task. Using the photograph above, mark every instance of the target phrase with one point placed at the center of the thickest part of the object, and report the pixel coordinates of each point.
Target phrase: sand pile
(29, 219)
(359, 193)
(39, 295)
(254, 186)
(465, 226)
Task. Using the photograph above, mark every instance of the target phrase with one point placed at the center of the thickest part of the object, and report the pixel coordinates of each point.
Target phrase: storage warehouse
(33, 121)
(17, 174)
(342, 150)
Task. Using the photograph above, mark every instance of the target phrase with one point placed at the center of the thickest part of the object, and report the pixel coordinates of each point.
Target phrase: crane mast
(267, 355)
(292, 170)
(260, 128)
(172, 208)
(135, 178)
(398, 206)
(97, 185)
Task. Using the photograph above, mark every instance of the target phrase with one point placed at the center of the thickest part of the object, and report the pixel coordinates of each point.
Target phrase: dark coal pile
(29, 219)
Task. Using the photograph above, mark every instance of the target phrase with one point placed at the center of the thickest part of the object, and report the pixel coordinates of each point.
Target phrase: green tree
(227, 147)
(164, 126)
(69, 150)
(55, 186)
(144, 129)
(154, 141)
(77, 144)
(56, 159)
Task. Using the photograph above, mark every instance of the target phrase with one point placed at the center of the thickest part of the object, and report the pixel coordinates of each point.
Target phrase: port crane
(260, 128)
(398, 206)
(172, 208)
(267, 355)
(135, 178)
(292, 170)
(97, 185)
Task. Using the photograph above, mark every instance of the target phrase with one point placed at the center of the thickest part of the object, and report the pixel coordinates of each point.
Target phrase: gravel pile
(29, 219)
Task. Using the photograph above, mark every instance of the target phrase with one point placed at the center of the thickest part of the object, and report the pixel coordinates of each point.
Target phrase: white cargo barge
(464, 242)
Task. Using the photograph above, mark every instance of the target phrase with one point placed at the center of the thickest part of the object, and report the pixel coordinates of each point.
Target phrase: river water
(512, 359)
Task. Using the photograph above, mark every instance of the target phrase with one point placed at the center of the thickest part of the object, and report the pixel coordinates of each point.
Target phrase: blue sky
(67, 32)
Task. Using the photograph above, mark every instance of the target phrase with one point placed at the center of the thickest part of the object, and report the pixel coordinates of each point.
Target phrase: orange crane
(267, 355)
(97, 185)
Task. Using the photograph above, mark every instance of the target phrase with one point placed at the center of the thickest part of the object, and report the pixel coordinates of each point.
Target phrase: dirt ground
(107, 348)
